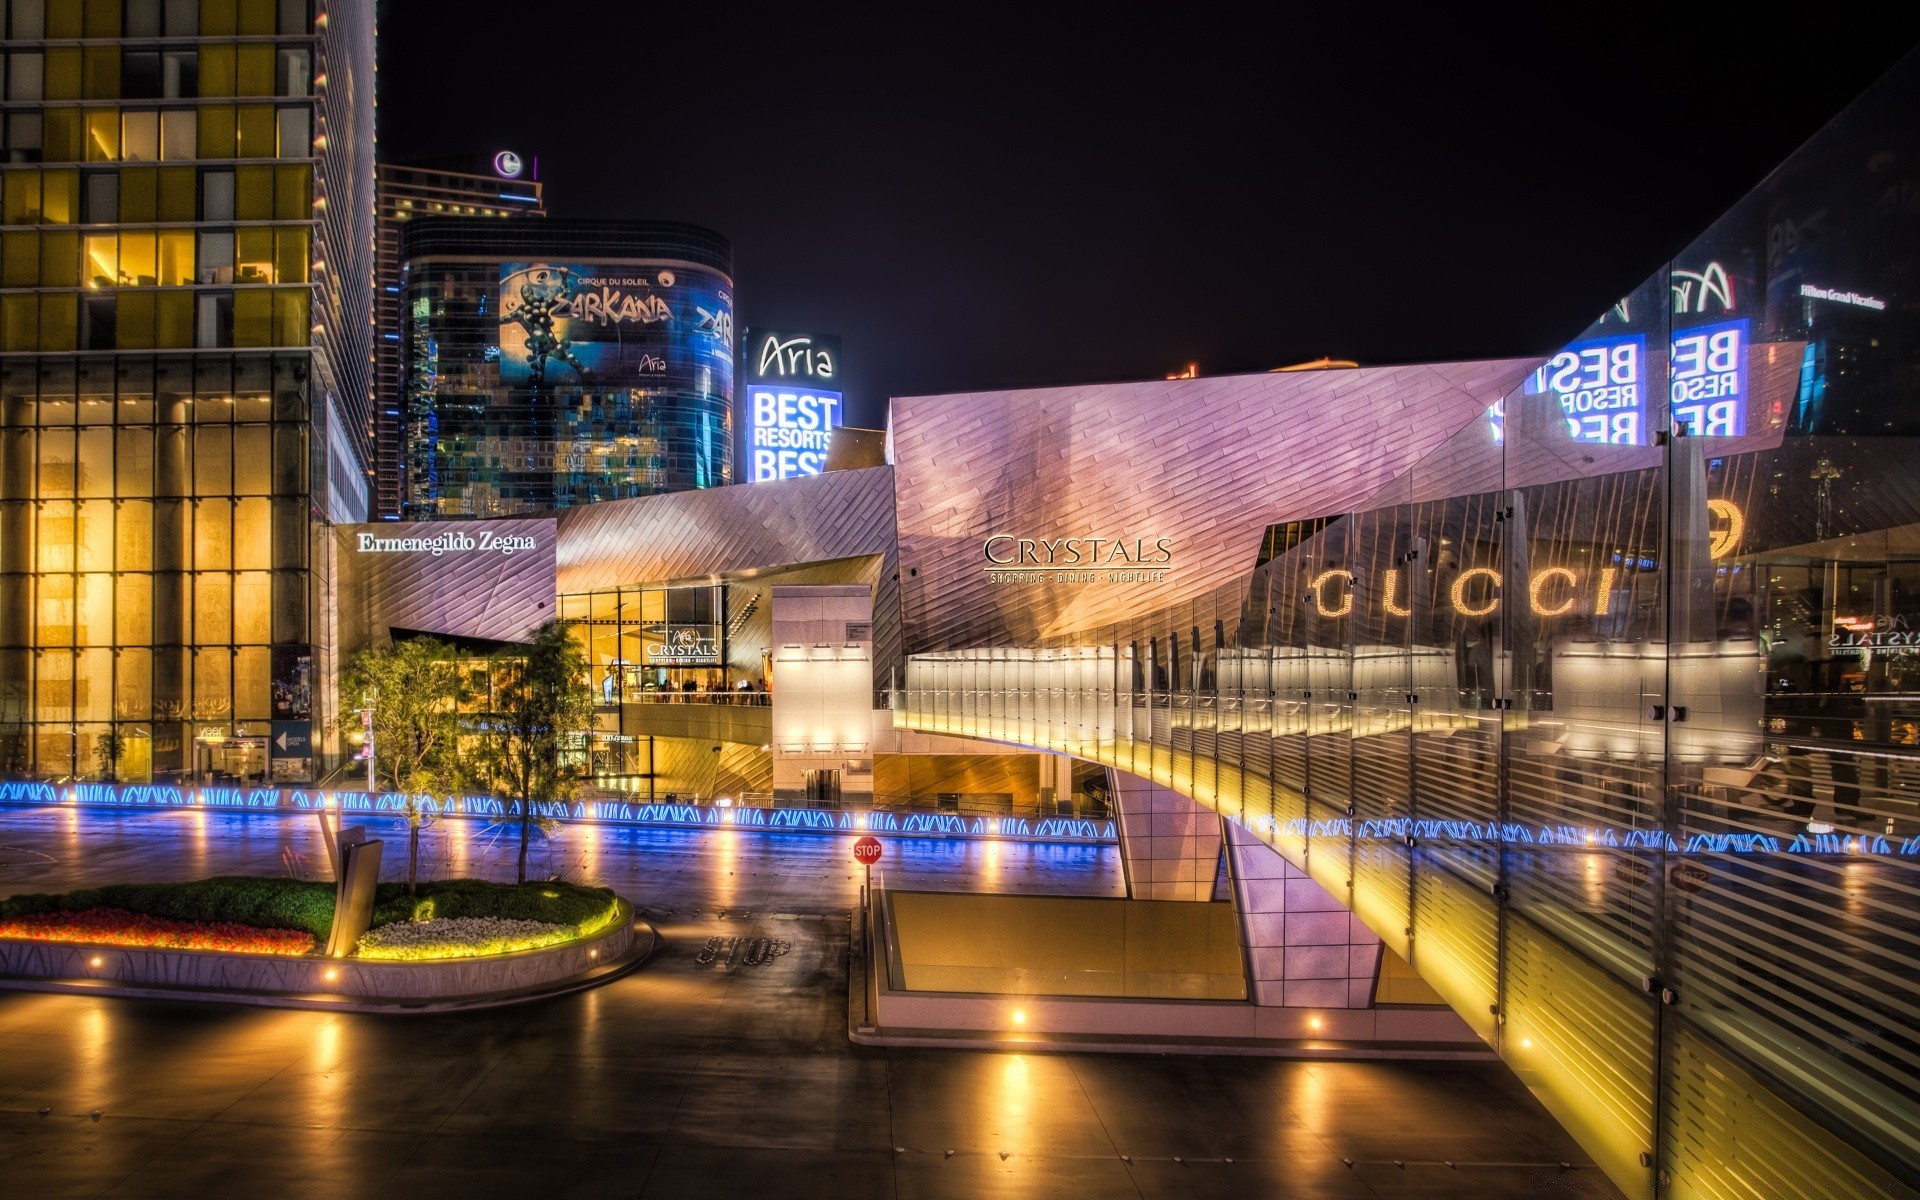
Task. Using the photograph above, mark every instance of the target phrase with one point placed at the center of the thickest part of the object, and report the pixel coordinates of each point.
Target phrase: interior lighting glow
(1019, 1016)
(333, 973)
(1538, 588)
(95, 961)
(1313, 1023)
(1459, 593)
(1319, 585)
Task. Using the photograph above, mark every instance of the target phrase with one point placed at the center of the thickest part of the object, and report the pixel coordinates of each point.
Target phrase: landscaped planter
(310, 975)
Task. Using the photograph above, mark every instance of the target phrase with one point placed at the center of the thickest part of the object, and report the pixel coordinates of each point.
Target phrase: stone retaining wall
(309, 975)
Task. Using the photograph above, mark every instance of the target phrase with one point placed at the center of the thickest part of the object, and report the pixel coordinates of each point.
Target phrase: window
(140, 137)
(103, 260)
(293, 16)
(180, 74)
(59, 196)
(179, 133)
(138, 194)
(62, 78)
(183, 18)
(253, 255)
(102, 198)
(19, 259)
(256, 131)
(137, 249)
(29, 19)
(97, 330)
(175, 257)
(213, 325)
(143, 18)
(293, 73)
(23, 137)
(216, 258)
(100, 65)
(296, 132)
(103, 135)
(216, 195)
(179, 194)
(21, 192)
(216, 70)
(25, 76)
(140, 75)
(254, 71)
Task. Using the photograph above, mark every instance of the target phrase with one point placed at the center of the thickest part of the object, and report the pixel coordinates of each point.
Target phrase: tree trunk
(526, 821)
(413, 853)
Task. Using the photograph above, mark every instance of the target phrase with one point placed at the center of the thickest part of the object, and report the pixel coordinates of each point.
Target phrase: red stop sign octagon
(866, 851)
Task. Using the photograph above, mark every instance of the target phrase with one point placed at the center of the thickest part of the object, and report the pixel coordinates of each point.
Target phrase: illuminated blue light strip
(799, 820)
(1400, 829)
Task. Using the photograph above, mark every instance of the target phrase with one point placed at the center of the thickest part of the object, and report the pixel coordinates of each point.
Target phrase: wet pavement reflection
(723, 1073)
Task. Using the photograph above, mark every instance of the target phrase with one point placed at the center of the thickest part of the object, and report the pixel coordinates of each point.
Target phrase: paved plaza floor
(699, 1075)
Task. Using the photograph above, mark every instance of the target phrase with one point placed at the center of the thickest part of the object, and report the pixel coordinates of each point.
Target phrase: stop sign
(866, 851)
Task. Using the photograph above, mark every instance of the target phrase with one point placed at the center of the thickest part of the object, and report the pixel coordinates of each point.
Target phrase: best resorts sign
(793, 402)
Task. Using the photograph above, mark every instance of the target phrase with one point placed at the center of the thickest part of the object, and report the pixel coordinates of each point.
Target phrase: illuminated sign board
(1708, 379)
(793, 402)
(1601, 385)
(1810, 292)
(508, 165)
(684, 646)
(1012, 559)
(488, 542)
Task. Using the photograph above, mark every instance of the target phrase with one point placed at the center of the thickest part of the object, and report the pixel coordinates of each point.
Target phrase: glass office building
(502, 185)
(557, 363)
(1606, 714)
(185, 329)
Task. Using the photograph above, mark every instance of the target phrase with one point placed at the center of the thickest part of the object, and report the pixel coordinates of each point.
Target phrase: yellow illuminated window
(139, 194)
(137, 259)
(257, 16)
(216, 70)
(290, 250)
(291, 323)
(61, 141)
(20, 260)
(259, 133)
(178, 194)
(60, 196)
(62, 81)
(140, 137)
(59, 321)
(59, 259)
(56, 479)
(133, 327)
(253, 318)
(103, 135)
(216, 131)
(173, 320)
(19, 323)
(253, 256)
(175, 248)
(253, 75)
(103, 18)
(63, 19)
(218, 17)
(293, 193)
(103, 260)
(93, 536)
(21, 192)
(253, 193)
(101, 69)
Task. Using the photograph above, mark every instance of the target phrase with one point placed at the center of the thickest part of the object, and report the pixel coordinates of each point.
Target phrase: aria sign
(1012, 559)
(488, 542)
(792, 409)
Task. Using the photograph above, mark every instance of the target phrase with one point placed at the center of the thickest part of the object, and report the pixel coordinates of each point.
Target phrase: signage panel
(793, 402)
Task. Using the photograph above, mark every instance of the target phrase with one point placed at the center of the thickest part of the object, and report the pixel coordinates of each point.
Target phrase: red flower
(115, 927)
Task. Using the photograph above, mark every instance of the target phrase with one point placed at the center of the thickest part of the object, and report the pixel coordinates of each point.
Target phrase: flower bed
(461, 937)
(117, 927)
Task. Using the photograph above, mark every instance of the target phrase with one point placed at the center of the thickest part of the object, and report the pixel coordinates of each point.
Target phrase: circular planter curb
(310, 981)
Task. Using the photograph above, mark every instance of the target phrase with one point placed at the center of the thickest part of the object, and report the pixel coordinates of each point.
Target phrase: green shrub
(261, 901)
(274, 903)
(586, 908)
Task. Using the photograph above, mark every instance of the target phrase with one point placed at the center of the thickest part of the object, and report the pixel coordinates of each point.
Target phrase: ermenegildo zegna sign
(1011, 559)
(486, 542)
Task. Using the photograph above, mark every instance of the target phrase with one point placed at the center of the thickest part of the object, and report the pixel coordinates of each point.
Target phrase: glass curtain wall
(1607, 716)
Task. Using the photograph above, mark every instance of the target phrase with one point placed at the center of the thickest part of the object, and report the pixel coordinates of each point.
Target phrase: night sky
(975, 200)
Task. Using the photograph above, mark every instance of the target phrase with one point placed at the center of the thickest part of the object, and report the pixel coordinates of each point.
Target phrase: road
(695, 1076)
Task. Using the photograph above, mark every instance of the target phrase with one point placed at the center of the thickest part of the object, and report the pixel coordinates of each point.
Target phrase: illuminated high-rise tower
(186, 345)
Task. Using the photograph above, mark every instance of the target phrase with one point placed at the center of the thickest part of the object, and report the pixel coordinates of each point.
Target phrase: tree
(542, 700)
(415, 688)
(107, 751)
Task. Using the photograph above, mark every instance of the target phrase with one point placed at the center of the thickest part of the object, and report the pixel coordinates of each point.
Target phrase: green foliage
(416, 688)
(272, 903)
(585, 908)
(263, 902)
(542, 701)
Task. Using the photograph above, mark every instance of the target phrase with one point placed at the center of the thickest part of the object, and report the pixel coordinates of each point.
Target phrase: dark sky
(981, 200)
